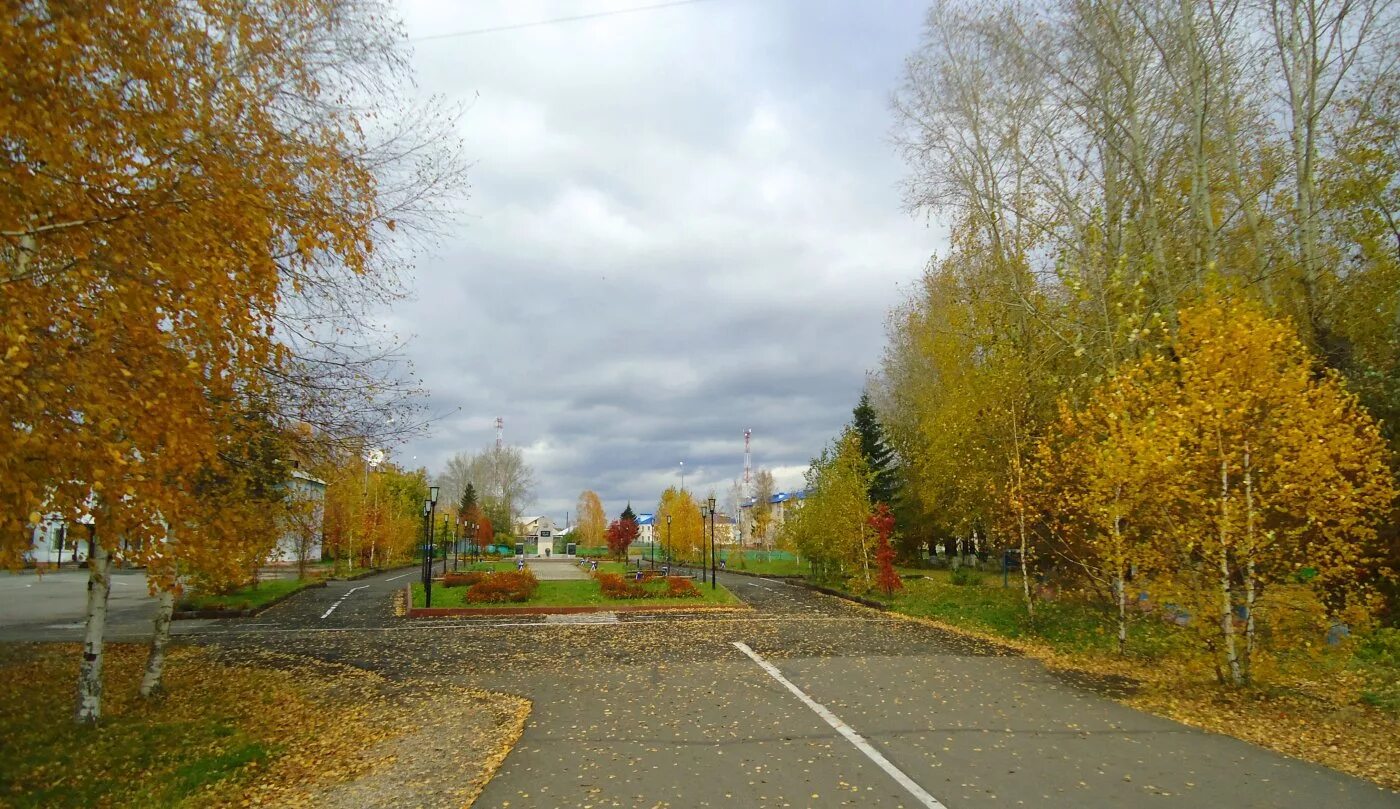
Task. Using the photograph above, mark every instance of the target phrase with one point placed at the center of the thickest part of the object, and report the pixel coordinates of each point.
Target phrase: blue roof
(646, 519)
(800, 494)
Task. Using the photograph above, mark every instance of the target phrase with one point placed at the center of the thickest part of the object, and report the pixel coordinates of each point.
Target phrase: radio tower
(748, 457)
(500, 433)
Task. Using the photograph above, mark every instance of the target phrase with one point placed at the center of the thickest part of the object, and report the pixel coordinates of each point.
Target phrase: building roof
(646, 519)
(780, 497)
(300, 475)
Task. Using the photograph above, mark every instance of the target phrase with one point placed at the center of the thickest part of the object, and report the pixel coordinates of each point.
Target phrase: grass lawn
(770, 567)
(486, 566)
(1067, 625)
(217, 729)
(245, 598)
(578, 593)
(615, 567)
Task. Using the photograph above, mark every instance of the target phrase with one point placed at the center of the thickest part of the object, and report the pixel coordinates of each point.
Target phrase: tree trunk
(1021, 512)
(1025, 573)
(1250, 551)
(1227, 619)
(155, 661)
(1120, 584)
(99, 586)
(1122, 587)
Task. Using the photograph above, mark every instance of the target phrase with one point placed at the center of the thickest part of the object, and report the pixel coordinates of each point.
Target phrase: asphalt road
(52, 606)
(666, 710)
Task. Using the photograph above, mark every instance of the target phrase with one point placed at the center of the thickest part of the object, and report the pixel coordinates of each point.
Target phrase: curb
(861, 600)
(467, 612)
(785, 577)
(365, 574)
(185, 615)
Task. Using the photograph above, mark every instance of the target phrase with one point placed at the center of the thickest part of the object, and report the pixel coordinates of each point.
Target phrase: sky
(682, 223)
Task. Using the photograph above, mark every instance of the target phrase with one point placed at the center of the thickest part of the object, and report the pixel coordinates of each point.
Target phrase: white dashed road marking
(845, 730)
(400, 576)
(342, 598)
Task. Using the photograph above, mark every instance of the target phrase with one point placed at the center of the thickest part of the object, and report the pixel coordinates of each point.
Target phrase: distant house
(782, 503)
(725, 533)
(538, 531)
(55, 541)
(646, 529)
(304, 529)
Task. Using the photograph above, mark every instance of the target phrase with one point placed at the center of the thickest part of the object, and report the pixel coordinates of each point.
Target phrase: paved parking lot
(51, 606)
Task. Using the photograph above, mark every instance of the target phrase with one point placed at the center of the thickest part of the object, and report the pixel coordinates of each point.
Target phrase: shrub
(614, 585)
(965, 576)
(515, 585)
(1379, 657)
(466, 579)
(681, 587)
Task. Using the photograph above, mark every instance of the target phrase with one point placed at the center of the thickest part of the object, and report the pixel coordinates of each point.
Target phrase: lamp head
(712, 505)
(433, 494)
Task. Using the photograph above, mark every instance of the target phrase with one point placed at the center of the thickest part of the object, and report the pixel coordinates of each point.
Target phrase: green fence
(752, 555)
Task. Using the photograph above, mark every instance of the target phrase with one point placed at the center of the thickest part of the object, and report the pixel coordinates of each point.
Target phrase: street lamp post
(704, 515)
(425, 572)
(429, 512)
(713, 562)
(668, 541)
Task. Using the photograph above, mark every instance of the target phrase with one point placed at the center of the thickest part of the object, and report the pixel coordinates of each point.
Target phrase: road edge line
(919, 793)
(342, 598)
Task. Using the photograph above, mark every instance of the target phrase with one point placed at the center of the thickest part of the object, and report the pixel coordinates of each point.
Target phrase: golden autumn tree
(592, 520)
(162, 206)
(1281, 472)
(761, 512)
(832, 528)
(680, 527)
(1096, 481)
(1223, 472)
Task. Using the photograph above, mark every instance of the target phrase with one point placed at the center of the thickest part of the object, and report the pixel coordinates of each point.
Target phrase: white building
(646, 529)
(538, 531)
(54, 541)
(781, 505)
(305, 523)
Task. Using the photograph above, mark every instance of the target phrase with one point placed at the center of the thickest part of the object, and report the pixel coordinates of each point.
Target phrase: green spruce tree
(878, 455)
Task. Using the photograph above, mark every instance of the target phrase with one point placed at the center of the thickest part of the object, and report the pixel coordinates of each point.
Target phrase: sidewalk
(562, 569)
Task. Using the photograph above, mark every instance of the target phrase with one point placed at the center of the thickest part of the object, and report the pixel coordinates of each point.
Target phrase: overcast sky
(682, 223)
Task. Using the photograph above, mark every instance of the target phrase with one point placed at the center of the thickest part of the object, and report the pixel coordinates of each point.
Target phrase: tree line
(1161, 352)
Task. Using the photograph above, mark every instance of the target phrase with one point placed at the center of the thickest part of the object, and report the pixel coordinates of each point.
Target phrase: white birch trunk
(1250, 552)
(155, 661)
(1120, 585)
(1227, 619)
(1025, 574)
(89, 708)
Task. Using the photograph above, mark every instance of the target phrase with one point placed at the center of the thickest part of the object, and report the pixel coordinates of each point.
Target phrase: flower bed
(498, 588)
(614, 585)
(466, 579)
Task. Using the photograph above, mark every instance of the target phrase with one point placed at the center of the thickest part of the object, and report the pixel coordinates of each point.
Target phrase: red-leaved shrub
(614, 585)
(466, 579)
(515, 585)
(681, 587)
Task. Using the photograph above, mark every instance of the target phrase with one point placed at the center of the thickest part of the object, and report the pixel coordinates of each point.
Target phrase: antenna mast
(500, 433)
(748, 457)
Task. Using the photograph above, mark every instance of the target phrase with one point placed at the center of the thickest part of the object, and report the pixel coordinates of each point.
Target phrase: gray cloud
(682, 223)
